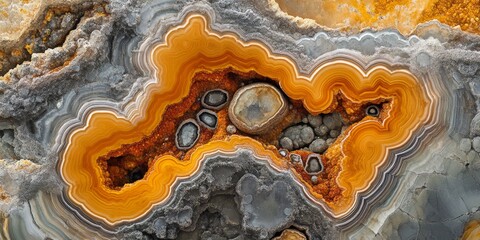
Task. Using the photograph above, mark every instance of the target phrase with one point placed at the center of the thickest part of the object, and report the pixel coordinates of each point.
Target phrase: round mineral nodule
(256, 108)
(207, 118)
(215, 99)
(314, 165)
(373, 111)
(296, 158)
(187, 134)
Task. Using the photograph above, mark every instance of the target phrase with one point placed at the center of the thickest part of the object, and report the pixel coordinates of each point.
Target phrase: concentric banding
(412, 109)
(257, 107)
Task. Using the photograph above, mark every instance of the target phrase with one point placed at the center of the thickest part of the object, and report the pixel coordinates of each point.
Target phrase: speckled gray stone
(187, 134)
(465, 144)
(476, 144)
(207, 118)
(321, 131)
(301, 135)
(215, 99)
(314, 179)
(296, 158)
(286, 143)
(318, 146)
(307, 135)
(313, 165)
(334, 133)
(475, 125)
(315, 121)
(329, 121)
(231, 129)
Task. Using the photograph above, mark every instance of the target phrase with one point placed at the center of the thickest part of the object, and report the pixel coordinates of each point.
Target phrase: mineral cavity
(207, 118)
(215, 99)
(187, 134)
(256, 108)
(314, 165)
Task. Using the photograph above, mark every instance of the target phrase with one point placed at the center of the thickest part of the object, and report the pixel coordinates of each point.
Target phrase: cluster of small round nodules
(188, 131)
(471, 147)
(315, 133)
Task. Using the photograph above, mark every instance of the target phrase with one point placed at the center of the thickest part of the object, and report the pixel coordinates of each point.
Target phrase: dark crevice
(48, 31)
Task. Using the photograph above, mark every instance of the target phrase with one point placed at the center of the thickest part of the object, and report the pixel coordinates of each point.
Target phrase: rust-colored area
(4, 197)
(118, 164)
(192, 49)
(129, 163)
(404, 15)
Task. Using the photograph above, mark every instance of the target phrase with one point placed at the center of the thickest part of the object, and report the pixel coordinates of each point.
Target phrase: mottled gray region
(318, 146)
(315, 121)
(440, 204)
(240, 198)
(235, 197)
(315, 133)
(265, 208)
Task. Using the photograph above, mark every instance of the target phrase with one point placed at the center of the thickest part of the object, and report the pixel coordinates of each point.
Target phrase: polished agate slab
(186, 46)
(239, 119)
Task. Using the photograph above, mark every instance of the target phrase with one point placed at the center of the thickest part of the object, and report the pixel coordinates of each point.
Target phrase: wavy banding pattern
(365, 151)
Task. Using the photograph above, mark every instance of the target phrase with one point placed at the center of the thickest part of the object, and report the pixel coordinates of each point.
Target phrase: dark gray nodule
(215, 99)
(207, 118)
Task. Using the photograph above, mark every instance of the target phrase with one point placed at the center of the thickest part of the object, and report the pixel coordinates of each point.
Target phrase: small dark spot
(31, 126)
(372, 110)
(136, 174)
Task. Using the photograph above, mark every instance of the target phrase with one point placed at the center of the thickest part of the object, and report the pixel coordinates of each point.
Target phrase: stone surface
(215, 99)
(187, 134)
(465, 144)
(313, 164)
(321, 131)
(207, 118)
(476, 144)
(307, 135)
(286, 143)
(256, 108)
(475, 125)
(97, 61)
(318, 146)
(315, 121)
(301, 135)
(231, 129)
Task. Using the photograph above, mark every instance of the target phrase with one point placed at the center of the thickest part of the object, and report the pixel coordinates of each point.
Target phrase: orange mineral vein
(403, 15)
(192, 48)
